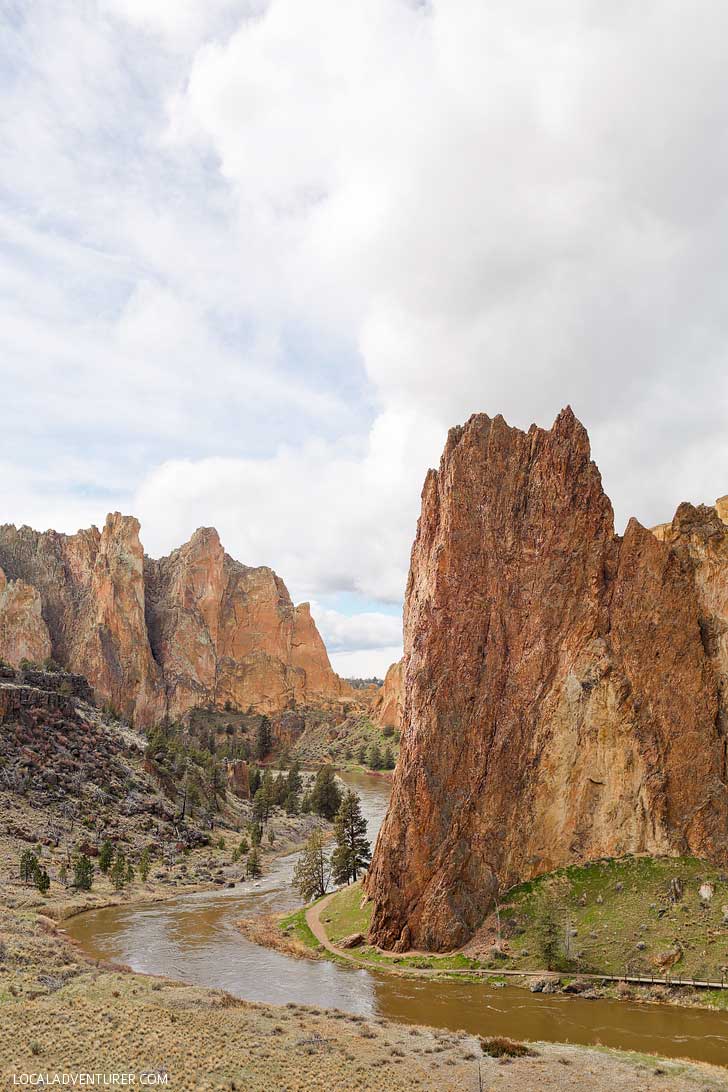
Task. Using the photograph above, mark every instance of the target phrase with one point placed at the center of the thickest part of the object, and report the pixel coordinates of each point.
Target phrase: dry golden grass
(59, 1012)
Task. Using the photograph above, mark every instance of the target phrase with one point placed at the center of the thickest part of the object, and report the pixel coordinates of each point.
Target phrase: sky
(256, 256)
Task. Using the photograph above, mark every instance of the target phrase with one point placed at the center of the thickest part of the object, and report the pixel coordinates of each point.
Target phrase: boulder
(354, 940)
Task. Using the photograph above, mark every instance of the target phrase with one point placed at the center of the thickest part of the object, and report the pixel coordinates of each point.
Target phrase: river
(193, 938)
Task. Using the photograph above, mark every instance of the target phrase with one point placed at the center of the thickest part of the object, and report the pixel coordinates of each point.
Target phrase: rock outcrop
(158, 638)
(564, 686)
(387, 706)
(238, 778)
(23, 633)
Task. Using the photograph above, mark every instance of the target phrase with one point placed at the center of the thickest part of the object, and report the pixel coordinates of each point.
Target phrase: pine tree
(295, 782)
(361, 755)
(144, 862)
(279, 789)
(130, 874)
(253, 866)
(254, 780)
(326, 795)
(117, 873)
(263, 738)
(312, 873)
(263, 799)
(106, 855)
(353, 851)
(388, 761)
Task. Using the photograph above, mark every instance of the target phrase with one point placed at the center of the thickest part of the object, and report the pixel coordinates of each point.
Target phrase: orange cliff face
(564, 693)
(226, 632)
(158, 638)
(387, 706)
(23, 633)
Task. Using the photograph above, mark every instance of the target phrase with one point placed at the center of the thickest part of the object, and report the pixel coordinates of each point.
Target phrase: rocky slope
(564, 686)
(158, 638)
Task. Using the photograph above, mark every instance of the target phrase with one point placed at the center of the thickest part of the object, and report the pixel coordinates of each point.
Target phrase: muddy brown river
(193, 938)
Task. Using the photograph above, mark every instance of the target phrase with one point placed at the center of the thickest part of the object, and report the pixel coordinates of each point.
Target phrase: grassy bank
(62, 1013)
(635, 916)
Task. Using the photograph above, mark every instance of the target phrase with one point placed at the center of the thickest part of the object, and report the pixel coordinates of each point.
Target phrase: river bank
(63, 1012)
(304, 935)
(193, 937)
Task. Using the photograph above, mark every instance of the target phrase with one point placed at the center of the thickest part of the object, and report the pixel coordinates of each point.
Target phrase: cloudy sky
(257, 255)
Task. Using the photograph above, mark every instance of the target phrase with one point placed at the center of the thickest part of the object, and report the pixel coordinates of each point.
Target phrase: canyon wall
(387, 706)
(158, 638)
(564, 687)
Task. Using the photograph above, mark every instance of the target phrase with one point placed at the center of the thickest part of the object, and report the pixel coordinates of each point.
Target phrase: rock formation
(158, 638)
(238, 778)
(387, 706)
(23, 633)
(564, 686)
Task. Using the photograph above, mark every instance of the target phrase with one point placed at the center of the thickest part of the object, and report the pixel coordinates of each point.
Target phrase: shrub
(497, 1046)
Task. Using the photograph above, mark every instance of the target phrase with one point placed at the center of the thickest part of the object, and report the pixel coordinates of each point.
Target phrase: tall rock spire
(560, 703)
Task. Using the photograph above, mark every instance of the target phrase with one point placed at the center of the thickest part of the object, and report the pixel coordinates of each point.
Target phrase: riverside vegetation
(634, 917)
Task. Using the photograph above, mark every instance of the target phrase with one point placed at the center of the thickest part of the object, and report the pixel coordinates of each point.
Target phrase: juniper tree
(42, 879)
(28, 865)
(117, 873)
(106, 855)
(312, 873)
(326, 795)
(374, 757)
(83, 873)
(144, 862)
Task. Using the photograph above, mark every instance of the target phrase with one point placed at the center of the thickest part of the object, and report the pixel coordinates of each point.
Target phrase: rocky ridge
(156, 638)
(565, 694)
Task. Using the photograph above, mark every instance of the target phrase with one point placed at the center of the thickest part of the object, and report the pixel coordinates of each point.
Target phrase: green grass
(622, 918)
(344, 915)
(619, 909)
(295, 925)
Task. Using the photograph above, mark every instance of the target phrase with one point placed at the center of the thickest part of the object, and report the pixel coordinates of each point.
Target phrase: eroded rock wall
(387, 705)
(158, 638)
(562, 695)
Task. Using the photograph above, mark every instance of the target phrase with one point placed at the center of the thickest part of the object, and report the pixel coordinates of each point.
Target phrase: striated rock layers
(158, 638)
(565, 688)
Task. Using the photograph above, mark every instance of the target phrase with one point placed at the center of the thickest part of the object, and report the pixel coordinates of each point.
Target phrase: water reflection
(193, 938)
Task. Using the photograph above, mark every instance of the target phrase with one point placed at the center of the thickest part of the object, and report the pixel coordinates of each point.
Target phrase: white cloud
(258, 256)
(328, 517)
(365, 664)
(508, 210)
(357, 632)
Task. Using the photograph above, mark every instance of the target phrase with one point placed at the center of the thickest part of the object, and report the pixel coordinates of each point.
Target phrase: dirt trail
(313, 920)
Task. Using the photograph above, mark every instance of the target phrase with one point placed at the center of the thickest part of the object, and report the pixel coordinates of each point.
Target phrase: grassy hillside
(348, 744)
(640, 915)
(635, 915)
